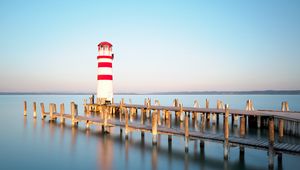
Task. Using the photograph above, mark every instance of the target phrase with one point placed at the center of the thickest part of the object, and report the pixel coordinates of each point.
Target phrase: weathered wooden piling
(34, 109)
(176, 104)
(142, 123)
(154, 128)
(186, 134)
(25, 108)
(181, 114)
(62, 112)
(242, 131)
(195, 114)
(226, 132)
(169, 124)
(271, 143)
(148, 104)
(74, 113)
(43, 110)
(54, 108)
(92, 99)
(51, 110)
(157, 103)
(126, 124)
(207, 107)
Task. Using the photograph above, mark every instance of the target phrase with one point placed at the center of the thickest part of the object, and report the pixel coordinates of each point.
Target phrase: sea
(28, 143)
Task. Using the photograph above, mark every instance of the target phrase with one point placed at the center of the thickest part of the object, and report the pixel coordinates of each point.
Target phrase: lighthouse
(105, 74)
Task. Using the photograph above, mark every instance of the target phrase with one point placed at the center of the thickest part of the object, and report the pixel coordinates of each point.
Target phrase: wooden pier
(125, 117)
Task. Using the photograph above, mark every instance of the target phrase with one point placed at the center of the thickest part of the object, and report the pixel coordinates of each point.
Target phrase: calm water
(26, 143)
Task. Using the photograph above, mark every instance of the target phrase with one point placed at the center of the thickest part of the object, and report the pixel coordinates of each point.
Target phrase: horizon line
(226, 92)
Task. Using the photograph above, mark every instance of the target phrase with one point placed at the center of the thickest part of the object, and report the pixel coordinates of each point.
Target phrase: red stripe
(104, 56)
(105, 77)
(105, 64)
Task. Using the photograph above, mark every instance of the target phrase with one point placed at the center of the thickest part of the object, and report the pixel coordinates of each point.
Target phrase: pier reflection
(137, 148)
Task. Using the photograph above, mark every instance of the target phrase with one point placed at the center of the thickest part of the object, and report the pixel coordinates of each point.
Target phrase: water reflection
(106, 143)
(105, 153)
(154, 157)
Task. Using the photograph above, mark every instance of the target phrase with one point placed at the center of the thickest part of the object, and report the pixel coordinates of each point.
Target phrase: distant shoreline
(264, 92)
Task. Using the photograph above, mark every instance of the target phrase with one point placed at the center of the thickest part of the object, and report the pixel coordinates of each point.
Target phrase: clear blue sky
(159, 46)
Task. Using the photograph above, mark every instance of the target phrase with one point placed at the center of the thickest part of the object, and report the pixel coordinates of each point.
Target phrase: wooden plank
(287, 115)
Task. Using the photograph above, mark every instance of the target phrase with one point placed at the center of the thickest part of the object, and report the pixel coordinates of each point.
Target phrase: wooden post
(62, 112)
(92, 99)
(120, 110)
(34, 109)
(186, 134)
(287, 128)
(169, 124)
(242, 132)
(207, 113)
(142, 122)
(158, 118)
(87, 124)
(43, 110)
(218, 107)
(51, 109)
(226, 132)
(73, 113)
(258, 121)
(195, 114)
(181, 112)
(157, 103)
(154, 128)
(280, 129)
(271, 143)
(54, 108)
(168, 114)
(25, 108)
(126, 124)
(176, 104)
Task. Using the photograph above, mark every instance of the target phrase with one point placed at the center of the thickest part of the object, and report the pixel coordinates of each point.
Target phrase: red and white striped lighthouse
(105, 74)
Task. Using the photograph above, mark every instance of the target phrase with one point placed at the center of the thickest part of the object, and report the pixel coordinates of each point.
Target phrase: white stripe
(105, 71)
(100, 60)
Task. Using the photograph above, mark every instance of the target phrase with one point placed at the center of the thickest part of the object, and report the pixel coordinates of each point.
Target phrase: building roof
(104, 43)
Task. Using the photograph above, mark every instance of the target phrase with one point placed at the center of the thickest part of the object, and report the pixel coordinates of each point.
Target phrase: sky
(51, 46)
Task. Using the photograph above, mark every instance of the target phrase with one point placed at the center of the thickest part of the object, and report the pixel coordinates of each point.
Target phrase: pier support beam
(126, 124)
(34, 110)
(207, 107)
(271, 143)
(62, 112)
(74, 113)
(169, 125)
(242, 132)
(154, 128)
(51, 110)
(43, 111)
(258, 122)
(25, 108)
(181, 114)
(186, 134)
(280, 129)
(226, 132)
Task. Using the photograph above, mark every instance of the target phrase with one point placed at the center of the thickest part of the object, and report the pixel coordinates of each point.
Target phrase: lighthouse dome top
(104, 43)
